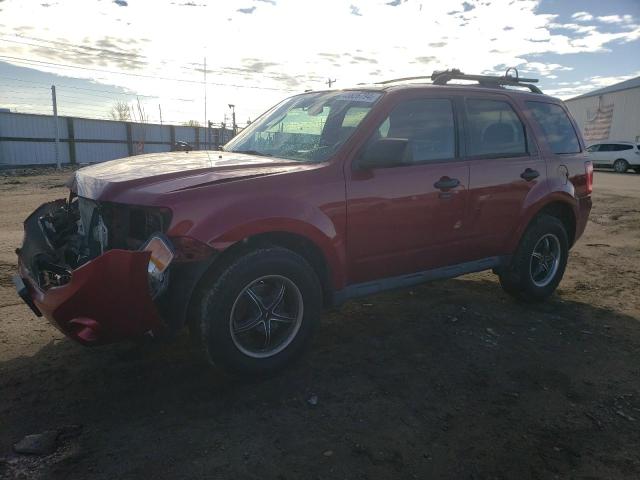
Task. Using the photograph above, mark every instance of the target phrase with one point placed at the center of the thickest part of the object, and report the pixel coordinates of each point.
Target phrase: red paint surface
(106, 300)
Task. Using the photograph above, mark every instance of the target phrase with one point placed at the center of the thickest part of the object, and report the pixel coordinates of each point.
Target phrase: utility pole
(224, 126)
(161, 129)
(330, 82)
(233, 118)
(205, 91)
(57, 128)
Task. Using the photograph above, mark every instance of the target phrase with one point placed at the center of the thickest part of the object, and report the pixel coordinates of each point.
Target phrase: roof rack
(443, 77)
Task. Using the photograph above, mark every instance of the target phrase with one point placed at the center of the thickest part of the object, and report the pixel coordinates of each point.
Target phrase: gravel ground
(453, 379)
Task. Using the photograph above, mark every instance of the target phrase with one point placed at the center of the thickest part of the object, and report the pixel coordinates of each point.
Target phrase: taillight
(588, 167)
(189, 249)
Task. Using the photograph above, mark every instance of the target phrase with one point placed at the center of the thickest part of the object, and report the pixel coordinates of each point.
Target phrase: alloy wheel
(545, 260)
(620, 166)
(266, 316)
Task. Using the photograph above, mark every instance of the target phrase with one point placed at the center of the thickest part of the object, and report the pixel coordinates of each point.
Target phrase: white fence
(27, 139)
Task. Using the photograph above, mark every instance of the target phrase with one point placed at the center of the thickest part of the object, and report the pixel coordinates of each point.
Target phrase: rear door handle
(446, 183)
(529, 174)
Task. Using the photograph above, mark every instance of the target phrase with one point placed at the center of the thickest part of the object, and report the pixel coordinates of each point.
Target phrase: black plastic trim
(417, 278)
(23, 293)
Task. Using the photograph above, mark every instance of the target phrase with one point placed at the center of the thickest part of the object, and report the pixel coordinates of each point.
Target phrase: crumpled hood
(173, 171)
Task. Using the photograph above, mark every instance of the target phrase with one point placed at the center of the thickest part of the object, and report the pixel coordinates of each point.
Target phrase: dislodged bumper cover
(106, 300)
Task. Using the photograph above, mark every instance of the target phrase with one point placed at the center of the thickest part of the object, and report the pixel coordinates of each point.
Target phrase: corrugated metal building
(27, 139)
(610, 113)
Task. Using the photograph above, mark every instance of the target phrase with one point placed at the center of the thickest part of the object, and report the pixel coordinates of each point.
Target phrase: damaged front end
(96, 270)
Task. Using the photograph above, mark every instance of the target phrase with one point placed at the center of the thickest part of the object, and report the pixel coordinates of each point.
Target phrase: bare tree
(120, 111)
(192, 123)
(140, 118)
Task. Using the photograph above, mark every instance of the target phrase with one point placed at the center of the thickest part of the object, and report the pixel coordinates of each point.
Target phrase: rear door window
(493, 129)
(556, 126)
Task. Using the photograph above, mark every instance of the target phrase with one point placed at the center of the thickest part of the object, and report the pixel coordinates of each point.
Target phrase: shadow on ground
(449, 380)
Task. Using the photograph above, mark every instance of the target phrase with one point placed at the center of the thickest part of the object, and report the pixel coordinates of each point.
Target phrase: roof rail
(394, 80)
(443, 77)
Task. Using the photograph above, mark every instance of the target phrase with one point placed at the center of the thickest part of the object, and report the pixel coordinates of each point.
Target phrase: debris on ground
(38, 443)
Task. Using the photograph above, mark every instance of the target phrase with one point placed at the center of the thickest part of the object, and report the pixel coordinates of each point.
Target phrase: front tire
(260, 312)
(621, 165)
(539, 263)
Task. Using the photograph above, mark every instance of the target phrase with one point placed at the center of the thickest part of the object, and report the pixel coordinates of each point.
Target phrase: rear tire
(260, 312)
(621, 165)
(539, 262)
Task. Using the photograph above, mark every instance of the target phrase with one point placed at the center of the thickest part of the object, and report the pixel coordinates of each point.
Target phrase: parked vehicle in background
(621, 156)
(328, 196)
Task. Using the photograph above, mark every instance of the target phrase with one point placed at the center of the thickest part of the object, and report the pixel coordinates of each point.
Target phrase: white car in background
(617, 155)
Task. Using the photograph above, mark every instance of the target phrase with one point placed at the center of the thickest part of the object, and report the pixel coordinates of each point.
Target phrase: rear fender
(533, 207)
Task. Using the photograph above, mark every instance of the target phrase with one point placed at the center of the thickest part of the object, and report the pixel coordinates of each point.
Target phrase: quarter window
(556, 126)
(620, 147)
(428, 127)
(493, 129)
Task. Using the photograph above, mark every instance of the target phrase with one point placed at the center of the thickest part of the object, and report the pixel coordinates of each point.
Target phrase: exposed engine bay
(63, 235)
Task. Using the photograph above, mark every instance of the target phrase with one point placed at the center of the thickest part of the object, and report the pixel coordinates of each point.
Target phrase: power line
(128, 56)
(139, 75)
(112, 93)
(121, 57)
(21, 92)
(86, 47)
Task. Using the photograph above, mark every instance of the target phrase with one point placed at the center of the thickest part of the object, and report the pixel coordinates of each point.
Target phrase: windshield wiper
(253, 152)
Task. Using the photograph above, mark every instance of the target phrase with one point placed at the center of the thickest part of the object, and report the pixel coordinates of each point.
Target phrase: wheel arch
(560, 205)
(565, 213)
(297, 243)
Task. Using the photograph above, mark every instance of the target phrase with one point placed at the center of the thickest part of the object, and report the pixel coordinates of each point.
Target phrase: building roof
(626, 85)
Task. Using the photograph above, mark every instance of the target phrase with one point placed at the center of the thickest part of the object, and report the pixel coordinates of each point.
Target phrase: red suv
(328, 196)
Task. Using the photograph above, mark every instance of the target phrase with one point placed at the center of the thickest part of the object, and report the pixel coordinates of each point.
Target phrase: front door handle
(446, 183)
(529, 174)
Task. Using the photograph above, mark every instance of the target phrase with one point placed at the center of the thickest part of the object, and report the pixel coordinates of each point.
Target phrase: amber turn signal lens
(161, 254)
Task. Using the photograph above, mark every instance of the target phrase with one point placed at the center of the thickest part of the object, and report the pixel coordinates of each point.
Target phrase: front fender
(239, 221)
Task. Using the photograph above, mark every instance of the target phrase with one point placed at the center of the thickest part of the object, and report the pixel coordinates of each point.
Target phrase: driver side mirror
(382, 153)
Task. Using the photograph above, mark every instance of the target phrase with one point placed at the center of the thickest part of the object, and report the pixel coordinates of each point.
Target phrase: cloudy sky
(97, 52)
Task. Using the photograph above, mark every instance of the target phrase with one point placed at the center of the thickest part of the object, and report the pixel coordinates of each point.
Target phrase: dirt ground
(453, 379)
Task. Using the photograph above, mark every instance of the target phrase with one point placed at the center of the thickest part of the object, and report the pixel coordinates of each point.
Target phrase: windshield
(308, 127)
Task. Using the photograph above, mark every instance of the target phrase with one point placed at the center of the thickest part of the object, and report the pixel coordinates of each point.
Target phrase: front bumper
(106, 300)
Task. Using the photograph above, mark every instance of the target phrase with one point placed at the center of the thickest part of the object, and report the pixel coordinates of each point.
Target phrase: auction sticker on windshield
(367, 97)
